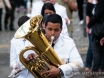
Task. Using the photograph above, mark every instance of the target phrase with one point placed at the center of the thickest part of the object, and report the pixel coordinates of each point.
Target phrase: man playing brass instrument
(64, 47)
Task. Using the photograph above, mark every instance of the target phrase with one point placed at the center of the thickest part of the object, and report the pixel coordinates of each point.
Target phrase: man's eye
(46, 13)
(56, 30)
(49, 29)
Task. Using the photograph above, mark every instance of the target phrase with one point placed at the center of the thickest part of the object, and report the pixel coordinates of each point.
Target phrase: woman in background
(48, 8)
(7, 3)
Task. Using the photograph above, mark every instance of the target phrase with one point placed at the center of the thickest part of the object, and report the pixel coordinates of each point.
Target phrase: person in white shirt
(64, 47)
(48, 8)
(16, 46)
(61, 10)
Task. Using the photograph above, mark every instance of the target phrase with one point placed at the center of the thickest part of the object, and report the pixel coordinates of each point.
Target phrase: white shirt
(69, 55)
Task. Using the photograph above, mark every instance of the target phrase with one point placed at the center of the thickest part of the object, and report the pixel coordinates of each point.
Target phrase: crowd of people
(10, 7)
(57, 22)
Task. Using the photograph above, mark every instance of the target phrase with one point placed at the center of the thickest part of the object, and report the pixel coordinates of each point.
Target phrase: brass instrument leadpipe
(52, 38)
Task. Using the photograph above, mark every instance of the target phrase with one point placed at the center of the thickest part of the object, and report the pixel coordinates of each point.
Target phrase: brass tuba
(46, 56)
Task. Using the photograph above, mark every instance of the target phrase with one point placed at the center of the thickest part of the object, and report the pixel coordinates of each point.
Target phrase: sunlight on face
(53, 29)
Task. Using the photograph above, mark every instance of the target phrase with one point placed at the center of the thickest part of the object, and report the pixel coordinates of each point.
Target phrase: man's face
(52, 29)
(51, 1)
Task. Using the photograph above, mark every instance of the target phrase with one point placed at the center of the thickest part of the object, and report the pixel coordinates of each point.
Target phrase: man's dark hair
(45, 18)
(54, 18)
(47, 6)
(22, 20)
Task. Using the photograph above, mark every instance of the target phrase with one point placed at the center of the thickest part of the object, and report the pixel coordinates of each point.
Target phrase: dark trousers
(9, 13)
(31, 2)
(19, 3)
(25, 4)
(0, 19)
(80, 8)
(89, 56)
(98, 55)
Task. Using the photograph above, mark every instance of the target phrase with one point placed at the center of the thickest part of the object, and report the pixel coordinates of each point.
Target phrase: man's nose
(53, 32)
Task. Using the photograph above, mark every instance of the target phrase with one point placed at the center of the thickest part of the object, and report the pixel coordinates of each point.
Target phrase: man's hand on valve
(30, 57)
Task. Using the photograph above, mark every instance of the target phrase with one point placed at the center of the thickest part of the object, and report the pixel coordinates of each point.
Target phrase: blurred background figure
(18, 4)
(47, 9)
(89, 13)
(80, 10)
(96, 21)
(7, 3)
(10, 16)
(25, 5)
(70, 6)
(37, 6)
(31, 1)
(21, 3)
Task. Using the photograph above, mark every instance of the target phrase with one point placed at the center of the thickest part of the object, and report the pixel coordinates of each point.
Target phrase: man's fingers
(30, 56)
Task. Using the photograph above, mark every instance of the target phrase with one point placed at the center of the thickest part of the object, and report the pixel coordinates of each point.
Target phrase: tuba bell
(46, 56)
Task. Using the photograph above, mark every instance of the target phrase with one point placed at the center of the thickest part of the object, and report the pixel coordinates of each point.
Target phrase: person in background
(16, 46)
(10, 15)
(37, 6)
(7, 3)
(25, 5)
(70, 6)
(64, 47)
(89, 13)
(80, 10)
(48, 8)
(19, 3)
(31, 1)
(97, 49)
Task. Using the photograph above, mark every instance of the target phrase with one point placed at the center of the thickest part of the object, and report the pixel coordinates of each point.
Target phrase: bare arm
(71, 4)
(7, 3)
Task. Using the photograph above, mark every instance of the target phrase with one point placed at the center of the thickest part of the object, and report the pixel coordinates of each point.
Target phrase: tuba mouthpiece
(52, 38)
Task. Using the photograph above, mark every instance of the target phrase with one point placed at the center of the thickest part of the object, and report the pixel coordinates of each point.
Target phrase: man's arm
(72, 4)
(75, 62)
(7, 3)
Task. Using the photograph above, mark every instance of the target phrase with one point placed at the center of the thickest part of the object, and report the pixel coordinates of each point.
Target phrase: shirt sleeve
(75, 63)
(65, 16)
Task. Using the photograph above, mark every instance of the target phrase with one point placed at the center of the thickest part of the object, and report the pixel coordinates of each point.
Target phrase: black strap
(53, 44)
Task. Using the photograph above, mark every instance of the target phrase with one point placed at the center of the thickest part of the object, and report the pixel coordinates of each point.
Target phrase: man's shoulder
(67, 39)
(14, 40)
